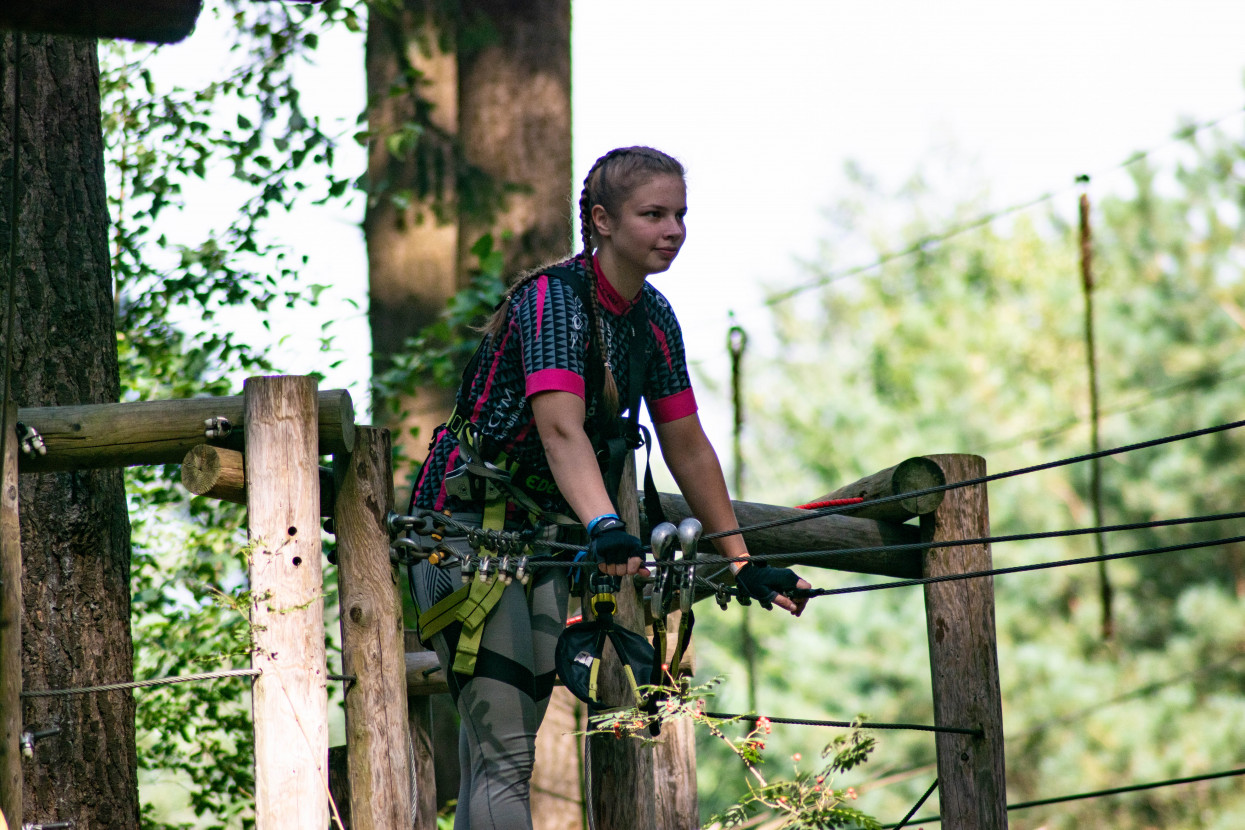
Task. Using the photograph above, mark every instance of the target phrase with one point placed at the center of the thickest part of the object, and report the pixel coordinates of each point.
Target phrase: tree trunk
(498, 82)
(411, 224)
(514, 104)
(75, 529)
(493, 156)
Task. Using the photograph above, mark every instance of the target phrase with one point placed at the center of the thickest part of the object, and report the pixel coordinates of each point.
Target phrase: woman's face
(648, 231)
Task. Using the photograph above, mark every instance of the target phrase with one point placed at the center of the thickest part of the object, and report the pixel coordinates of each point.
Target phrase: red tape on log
(817, 505)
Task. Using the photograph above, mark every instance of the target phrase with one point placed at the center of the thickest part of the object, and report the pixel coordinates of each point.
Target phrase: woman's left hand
(769, 586)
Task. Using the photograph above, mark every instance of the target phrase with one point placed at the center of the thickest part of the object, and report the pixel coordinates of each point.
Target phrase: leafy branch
(807, 800)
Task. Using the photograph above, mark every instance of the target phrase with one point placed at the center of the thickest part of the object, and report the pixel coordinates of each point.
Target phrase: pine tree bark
(514, 104)
(75, 529)
(493, 156)
(411, 223)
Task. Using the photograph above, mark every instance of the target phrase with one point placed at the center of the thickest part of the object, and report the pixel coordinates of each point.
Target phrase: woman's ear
(601, 218)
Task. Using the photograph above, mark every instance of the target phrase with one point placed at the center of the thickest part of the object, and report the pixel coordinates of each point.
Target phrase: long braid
(596, 318)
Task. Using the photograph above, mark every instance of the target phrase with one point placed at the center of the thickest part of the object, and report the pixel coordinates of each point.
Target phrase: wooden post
(557, 787)
(963, 655)
(10, 625)
(290, 697)
(372, 646)
(622, 796)
(636, 787)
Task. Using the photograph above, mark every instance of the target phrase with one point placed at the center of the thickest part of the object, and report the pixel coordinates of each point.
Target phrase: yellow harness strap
(470, 604)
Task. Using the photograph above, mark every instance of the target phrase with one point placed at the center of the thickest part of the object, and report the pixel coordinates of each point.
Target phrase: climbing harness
(495, 561)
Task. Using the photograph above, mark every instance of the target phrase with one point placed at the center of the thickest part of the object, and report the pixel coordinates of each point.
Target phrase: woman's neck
(627, 284)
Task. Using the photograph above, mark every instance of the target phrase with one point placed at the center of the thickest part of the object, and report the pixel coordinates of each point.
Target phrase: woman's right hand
(617, 552)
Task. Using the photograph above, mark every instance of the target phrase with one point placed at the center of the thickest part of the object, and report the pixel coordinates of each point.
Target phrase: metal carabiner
(690, 530)
(664, 582)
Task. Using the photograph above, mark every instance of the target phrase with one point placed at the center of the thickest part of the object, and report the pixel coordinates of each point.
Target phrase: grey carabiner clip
(690, 530)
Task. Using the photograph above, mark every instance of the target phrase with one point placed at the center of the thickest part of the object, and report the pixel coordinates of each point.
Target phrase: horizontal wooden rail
(220, 473)
(158, 432)
(908, 476)
(816, 536)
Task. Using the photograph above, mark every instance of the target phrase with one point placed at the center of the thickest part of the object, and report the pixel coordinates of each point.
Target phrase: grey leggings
(502, 704)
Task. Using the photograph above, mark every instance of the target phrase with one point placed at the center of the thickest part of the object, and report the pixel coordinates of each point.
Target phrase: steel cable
(1132, 788)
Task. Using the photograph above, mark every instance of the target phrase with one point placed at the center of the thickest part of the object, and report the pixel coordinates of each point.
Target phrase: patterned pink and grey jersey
(544, 347)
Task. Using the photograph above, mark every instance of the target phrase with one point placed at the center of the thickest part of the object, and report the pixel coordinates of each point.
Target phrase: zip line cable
(142, 684)
(903, 822)
(847, 724)
(981, 540)
(1041, 566)
(930, 240)
(1042, 802)
(486, 537)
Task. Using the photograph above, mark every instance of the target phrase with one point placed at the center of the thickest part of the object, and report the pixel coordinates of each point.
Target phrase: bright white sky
(764, 102)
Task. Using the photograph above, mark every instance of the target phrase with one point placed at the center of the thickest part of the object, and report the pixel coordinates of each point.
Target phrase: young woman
(560, 357)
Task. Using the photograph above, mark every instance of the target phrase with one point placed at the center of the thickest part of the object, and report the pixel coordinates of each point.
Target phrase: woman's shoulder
(556, 278)
(655, 302)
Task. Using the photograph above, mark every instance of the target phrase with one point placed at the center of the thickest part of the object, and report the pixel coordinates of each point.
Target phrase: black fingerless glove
(610, 542)
(759, 581)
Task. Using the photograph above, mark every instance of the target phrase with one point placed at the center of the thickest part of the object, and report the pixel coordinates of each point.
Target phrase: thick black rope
(1042, 802)
(710, 559)
(952, 543)
(828, 511)
(847, 724)
(903, 822)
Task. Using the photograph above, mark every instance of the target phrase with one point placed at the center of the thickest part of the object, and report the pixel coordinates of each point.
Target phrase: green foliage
(806, 801)
(977, 345)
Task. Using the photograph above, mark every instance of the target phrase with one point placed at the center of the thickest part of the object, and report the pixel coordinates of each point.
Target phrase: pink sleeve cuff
(673, 407)
(555, 380)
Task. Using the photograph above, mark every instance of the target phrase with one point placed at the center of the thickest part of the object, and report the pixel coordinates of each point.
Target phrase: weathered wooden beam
(817, 539)
(220, 473)
(963, 654)
(372, 644)
(10, 625)
(290, 697)
(908, 476)
(153, 21)
(160, 432)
